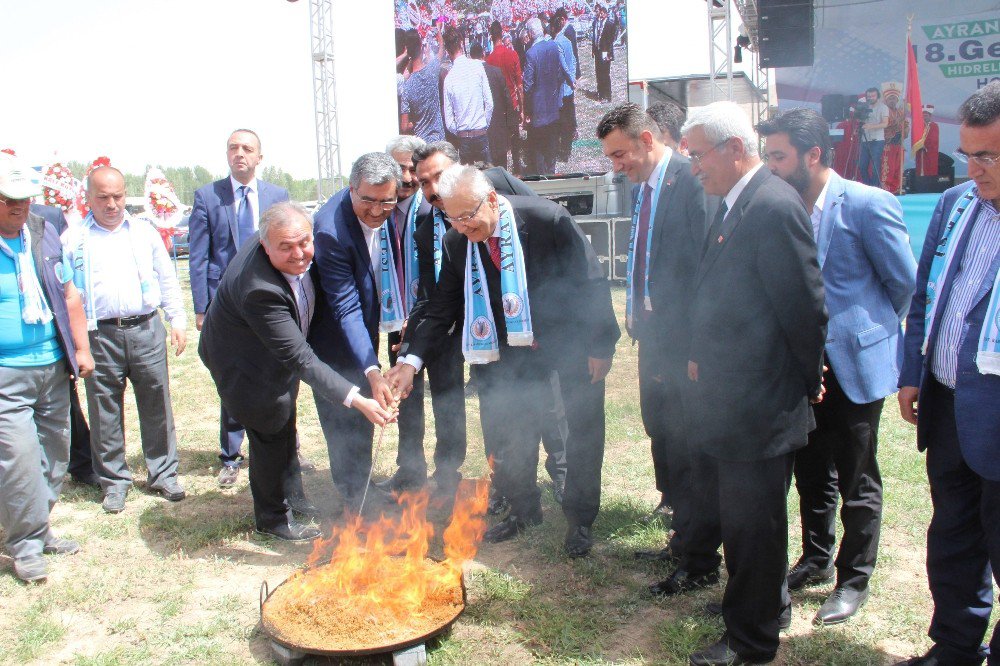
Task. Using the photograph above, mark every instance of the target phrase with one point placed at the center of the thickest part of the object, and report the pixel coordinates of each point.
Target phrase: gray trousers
(137, 353)
(34, 452)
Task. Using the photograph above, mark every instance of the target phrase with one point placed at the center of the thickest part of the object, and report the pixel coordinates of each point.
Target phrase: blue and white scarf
(411, 268)
(34, 308)
(633, 243)
(988, 351)
(439, 231)
(78, 244)
(479, 337)
(391, 307)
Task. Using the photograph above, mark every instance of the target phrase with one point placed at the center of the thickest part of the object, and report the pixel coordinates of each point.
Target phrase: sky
(164, 82)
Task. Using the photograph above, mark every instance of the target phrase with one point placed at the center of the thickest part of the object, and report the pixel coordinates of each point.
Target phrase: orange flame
(381, 568)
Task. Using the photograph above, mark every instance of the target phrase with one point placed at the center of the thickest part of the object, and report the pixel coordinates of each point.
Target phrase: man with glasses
(951, 369)
(757, 325)
(43, 344)
(359, 261)
(514, 336)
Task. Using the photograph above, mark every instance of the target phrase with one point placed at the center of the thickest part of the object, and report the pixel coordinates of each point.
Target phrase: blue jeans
(871, 156)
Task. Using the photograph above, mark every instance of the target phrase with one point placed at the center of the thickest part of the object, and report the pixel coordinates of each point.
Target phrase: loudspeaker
(928, 184)
(785, 33)
(833, 108)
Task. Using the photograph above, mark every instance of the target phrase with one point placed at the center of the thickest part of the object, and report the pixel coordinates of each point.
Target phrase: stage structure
(720, 44)
(324, 98)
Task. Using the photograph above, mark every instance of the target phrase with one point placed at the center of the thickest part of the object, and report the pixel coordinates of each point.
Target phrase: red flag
(913, 95)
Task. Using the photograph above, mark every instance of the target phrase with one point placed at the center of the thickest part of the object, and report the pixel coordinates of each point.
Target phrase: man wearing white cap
(927, 146)
(43, 343)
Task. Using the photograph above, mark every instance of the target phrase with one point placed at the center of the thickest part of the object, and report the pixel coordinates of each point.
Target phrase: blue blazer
(545, 71)
(869, 273)
(345, 326)
(212, 231)
(52, 215)
(976, 395)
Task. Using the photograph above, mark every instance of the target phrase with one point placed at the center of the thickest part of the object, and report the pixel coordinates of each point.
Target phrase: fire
(380, 570)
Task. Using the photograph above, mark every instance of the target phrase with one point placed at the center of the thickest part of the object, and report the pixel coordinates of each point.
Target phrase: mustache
(434, 198)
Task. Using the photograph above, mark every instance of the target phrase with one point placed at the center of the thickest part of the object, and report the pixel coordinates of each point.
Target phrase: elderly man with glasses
(359, 261)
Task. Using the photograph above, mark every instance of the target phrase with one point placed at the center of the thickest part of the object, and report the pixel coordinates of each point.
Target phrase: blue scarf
(34, 308)
(391, 307)
(411, 268)
(479, 336)
(439, 231)
(988, 351)
(634, 242)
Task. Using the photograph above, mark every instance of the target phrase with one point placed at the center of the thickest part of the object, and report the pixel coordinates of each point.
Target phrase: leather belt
(469, 134)
(128, 322)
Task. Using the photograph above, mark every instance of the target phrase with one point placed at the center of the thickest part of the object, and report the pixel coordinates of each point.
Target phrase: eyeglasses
(696, 158)
(385, 205)
(985, 160)
(466, 218)
(14, 202)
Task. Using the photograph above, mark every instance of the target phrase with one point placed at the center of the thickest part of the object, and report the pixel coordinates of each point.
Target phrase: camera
(860, 110)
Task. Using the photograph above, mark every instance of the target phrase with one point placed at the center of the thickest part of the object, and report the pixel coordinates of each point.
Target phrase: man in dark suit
(253, 341)
(868, 272)
(504, 123)
(224, 218)
(545, 71)
(755, 348)
(354, 236)
(951, 369)
(573, 330)
(602, 47)
(668, 233)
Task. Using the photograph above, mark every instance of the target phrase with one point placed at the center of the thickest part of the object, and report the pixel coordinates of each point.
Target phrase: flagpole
(906, 100)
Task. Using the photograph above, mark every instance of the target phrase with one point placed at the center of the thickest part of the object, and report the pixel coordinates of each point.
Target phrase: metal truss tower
(748, 12)
(324, 97)
(720, 61)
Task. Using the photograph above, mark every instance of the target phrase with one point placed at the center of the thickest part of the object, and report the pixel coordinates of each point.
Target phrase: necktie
(244, 217)
(397, 254)
(494, 244)
(639, 264)
(713, 231)
(303, 303)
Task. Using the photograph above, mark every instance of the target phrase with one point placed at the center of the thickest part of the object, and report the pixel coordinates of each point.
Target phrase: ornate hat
(892, 89)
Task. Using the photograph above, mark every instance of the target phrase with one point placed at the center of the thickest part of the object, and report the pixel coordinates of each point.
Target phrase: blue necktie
(244, 217)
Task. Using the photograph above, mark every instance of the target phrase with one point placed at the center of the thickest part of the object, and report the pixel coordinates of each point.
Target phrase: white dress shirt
(738, 188)
(115, 273)
(252, 194)
(468, 102)
(816, 216)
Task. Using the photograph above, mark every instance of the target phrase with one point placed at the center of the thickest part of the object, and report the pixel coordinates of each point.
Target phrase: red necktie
(494, 244)
(397, 258)
(639, 265)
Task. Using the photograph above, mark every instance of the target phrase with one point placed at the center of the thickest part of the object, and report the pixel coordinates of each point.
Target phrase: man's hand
(598, 368)
(85, 360)
(402, 336)
(908, 403)
(400, 378)
(692, 371)
(178, 338)
(822, 389)
(372, 410)
(199, 320)
(381, 390)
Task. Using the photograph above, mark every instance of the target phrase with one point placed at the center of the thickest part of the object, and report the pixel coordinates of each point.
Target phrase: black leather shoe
(303, 507)
(933, 657)
(401, 482)
(376, 495)
(662, 512)
(292, 531)
(784, 617)
(509, 527)
(841, 605)
(86, 479)
(681, 581)
(171, 490)
(578, 541)
(717, 654)
(807, 573)
(662, 555)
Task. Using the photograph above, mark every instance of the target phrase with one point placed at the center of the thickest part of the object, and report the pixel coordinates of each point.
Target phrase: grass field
(167, 583)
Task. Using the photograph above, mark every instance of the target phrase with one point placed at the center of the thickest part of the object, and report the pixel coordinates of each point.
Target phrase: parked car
(182, 242)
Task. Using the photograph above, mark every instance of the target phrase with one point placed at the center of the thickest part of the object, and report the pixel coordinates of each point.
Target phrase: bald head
(106, 196)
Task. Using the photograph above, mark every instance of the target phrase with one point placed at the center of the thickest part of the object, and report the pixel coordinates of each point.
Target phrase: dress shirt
(468, 102)
(374, 255)
(738, 188)
(984, 242)
(654, 177)
(568, 61)
(252, 194)
(816, 216)
(306, 309)
(117, 292)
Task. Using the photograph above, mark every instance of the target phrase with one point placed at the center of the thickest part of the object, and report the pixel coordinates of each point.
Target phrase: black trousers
(602, 71)
(567, 130)
(841, 456)
(273, 464)
(80, 461)
(445, 375)
(963, 541)
(473, 148)
(541, 147)
(584, 403)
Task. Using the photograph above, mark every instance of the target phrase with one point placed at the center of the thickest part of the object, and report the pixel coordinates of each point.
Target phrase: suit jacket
(570, 298)
(346, 324)
(757, 328)
(678, 238)
(212, 232)
(504, 121)
(253, 346)
(544, 74)
(976, 395)
(47, 255)
(606, 40)
(868, 274)
(52, 215)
